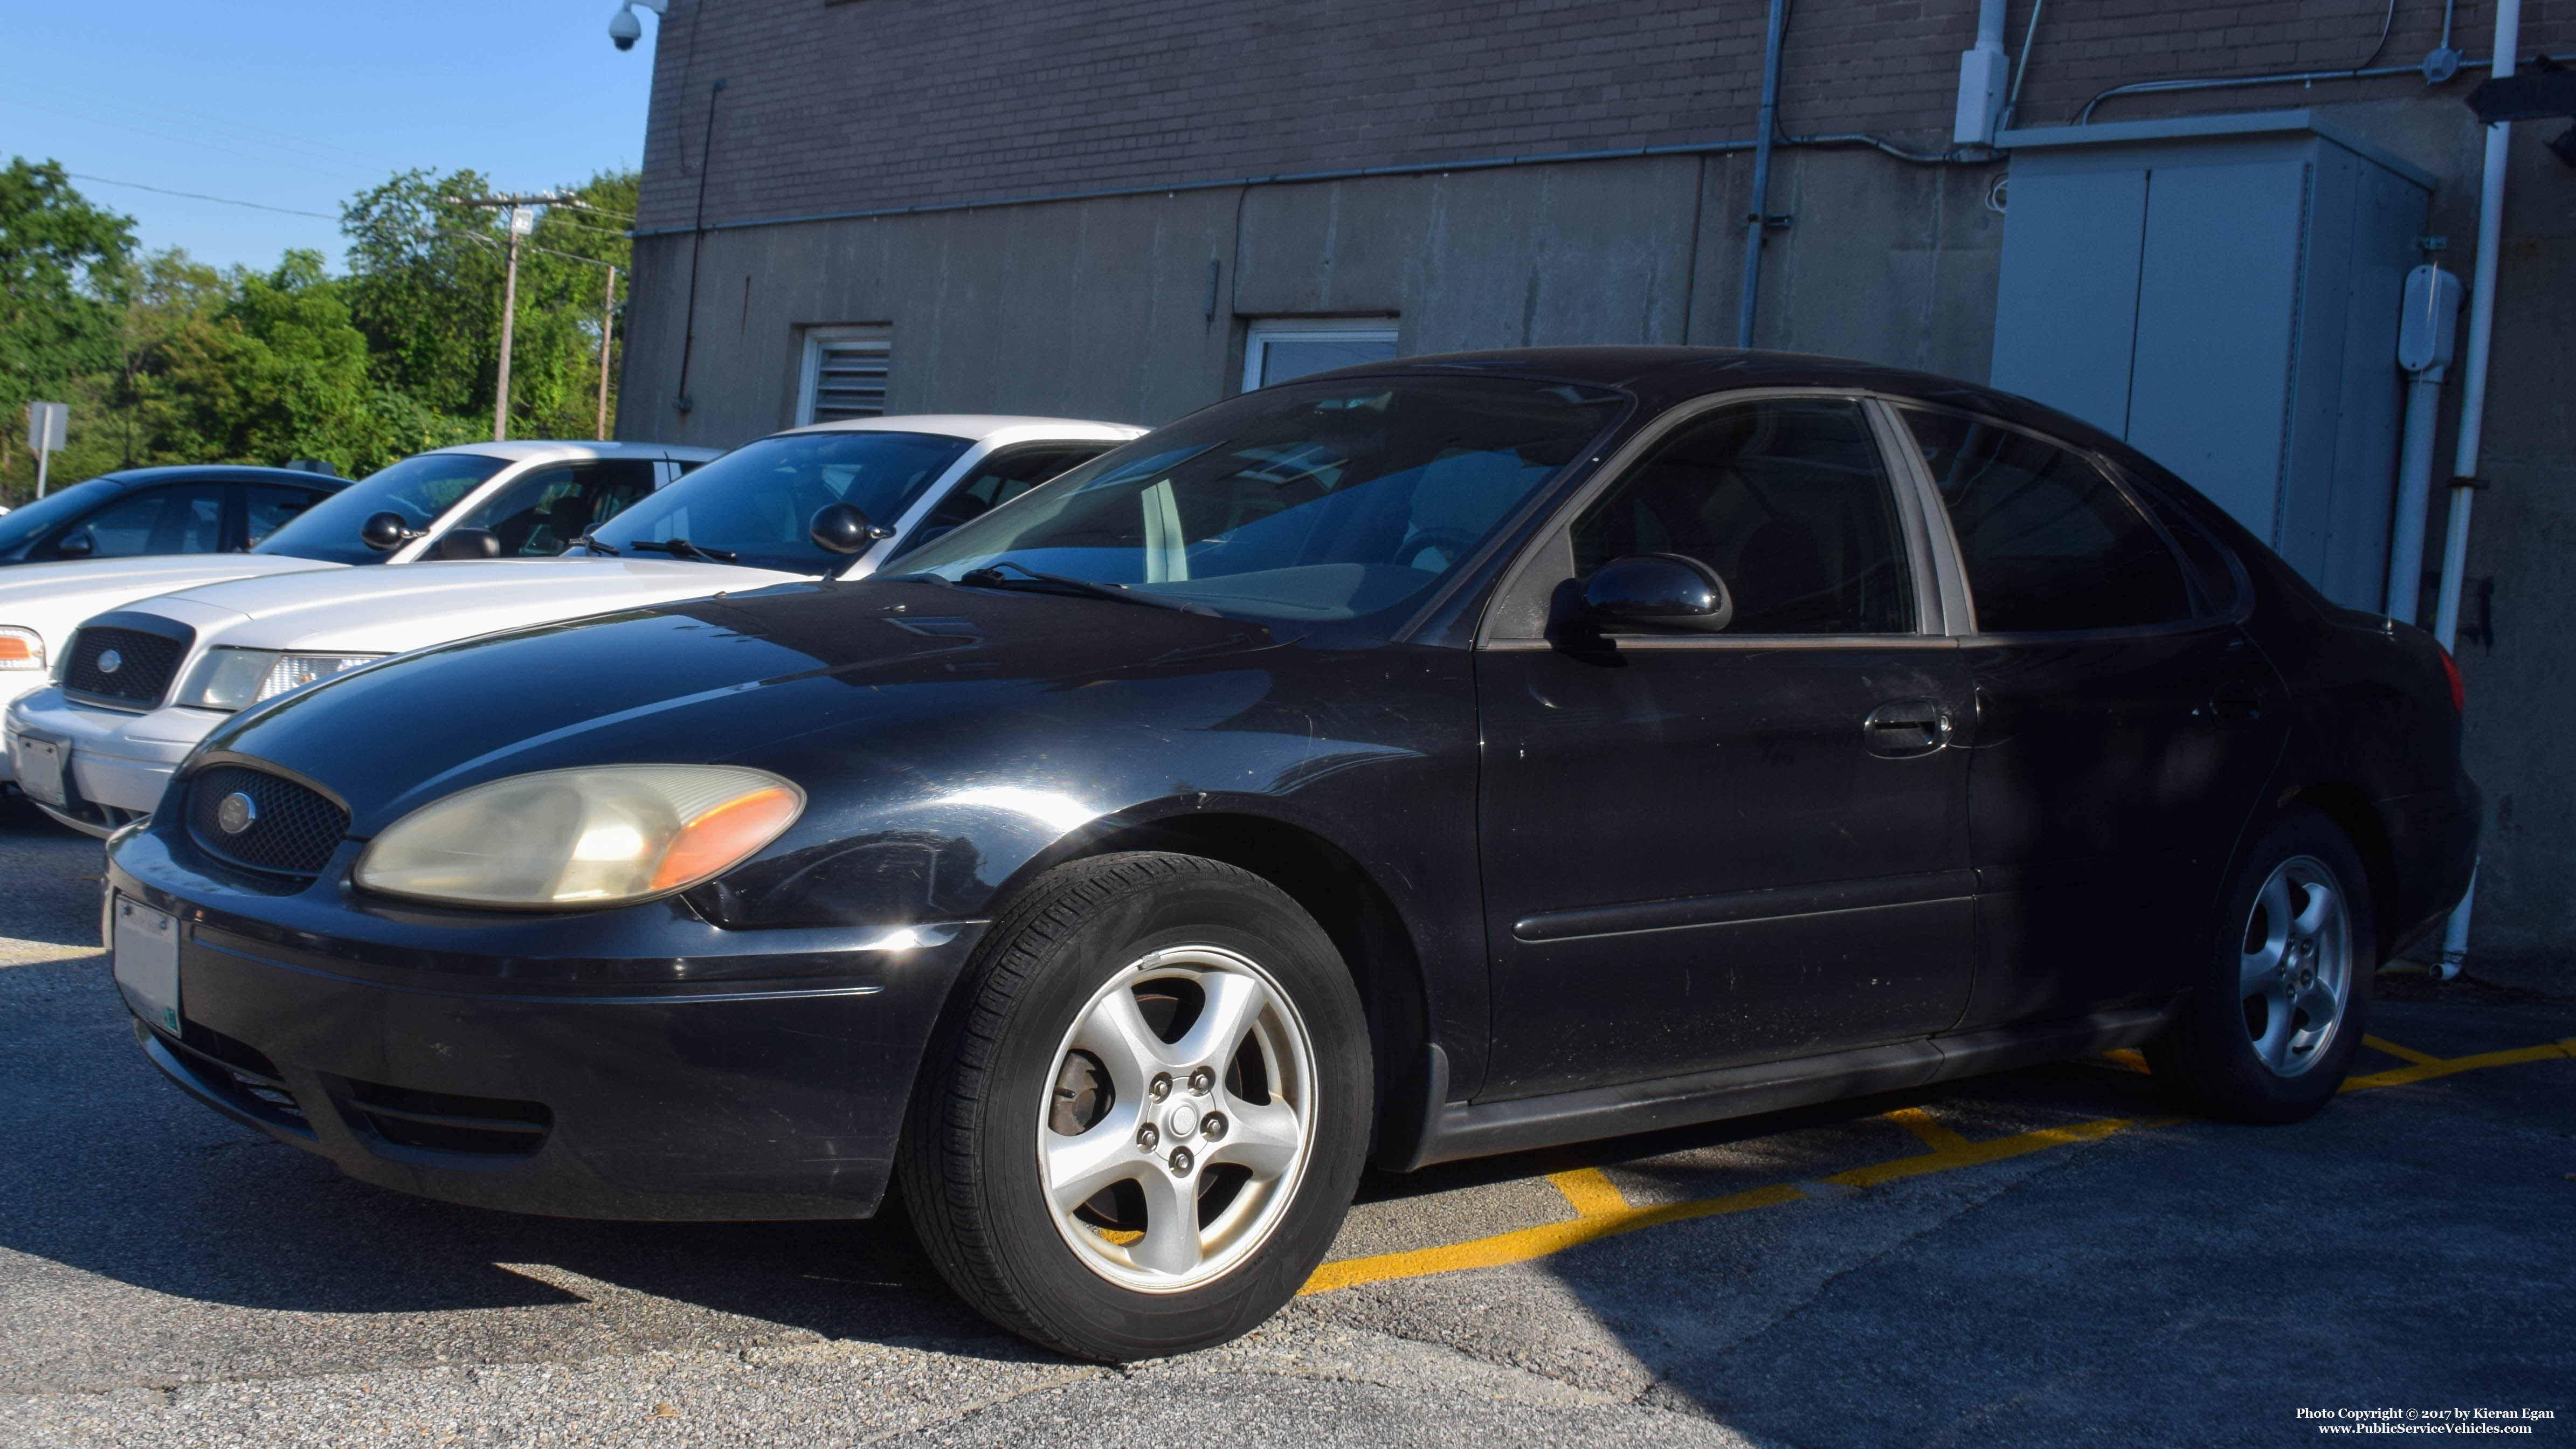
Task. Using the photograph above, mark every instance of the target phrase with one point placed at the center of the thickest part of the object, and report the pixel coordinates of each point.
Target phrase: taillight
(2459, 690)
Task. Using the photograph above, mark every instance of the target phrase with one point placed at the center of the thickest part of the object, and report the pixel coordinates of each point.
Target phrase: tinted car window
(418, 489)
(1787, 500)
(757, 501)
(61, 506)
(2048, 542)
(1308, 500)
(539, 514)
(2211, 565)
(1001, 478)
(178, 518)
(266, 508)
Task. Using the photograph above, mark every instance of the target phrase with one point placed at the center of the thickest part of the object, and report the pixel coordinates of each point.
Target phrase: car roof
(1662, 376)
(977, 427)
(522, 450)
(221, 473)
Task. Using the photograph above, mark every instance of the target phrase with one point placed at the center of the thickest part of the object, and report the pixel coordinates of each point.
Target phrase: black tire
(968, 1167)
(2214, 1058)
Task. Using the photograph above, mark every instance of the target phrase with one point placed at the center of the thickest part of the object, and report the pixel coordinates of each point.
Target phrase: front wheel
(1146, 1116)
(2282, 999)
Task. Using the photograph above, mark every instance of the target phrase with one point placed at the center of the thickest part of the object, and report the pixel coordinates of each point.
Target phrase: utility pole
(607, 335)
(523, 220)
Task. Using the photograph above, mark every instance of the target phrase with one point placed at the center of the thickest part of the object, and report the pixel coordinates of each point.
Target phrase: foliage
(166, 360)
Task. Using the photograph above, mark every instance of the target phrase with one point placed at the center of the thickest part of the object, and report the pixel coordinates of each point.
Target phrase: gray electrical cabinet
(2223, 292)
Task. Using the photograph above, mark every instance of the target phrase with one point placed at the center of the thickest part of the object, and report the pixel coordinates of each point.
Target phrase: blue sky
(298, 104)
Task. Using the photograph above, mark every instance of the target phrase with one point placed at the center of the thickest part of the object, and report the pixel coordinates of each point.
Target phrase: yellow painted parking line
(1924, 1125)
(1589, 1192)
(2134, 1060)
(2403, 1054)
(1604, 1213)
(2426, 1071)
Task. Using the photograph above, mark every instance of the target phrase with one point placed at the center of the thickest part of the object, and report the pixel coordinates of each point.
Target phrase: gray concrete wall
(1102, 307)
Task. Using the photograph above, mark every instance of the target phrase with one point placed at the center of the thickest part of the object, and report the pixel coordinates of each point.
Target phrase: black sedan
(1437, 758)
(214, 508)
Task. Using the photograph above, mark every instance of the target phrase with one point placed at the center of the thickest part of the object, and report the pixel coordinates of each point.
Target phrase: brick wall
(876, 103)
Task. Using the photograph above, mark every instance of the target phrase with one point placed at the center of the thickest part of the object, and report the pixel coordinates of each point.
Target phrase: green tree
(62, 265)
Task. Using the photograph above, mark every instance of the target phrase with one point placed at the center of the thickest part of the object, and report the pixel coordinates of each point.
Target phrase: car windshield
(756, 502)
(1321, 501)
(418, 488)
(23, 523)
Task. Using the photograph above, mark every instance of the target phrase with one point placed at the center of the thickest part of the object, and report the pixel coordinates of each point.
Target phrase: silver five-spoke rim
(1178, 1119)
(2294, 967)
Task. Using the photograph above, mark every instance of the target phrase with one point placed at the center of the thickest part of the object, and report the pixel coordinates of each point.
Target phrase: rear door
(2125, 724)
(1698, 851)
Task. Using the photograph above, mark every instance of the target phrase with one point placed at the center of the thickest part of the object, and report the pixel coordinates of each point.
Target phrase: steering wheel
(1450, 543)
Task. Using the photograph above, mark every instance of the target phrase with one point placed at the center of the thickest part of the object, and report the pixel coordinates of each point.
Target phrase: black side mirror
(1660, 590)
(459, 543)
(385, 532)
(843, 528)
(78, 545)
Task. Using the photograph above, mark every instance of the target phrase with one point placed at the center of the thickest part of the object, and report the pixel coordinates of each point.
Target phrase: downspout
(1757, 219)
(2473, 406)
(1985, 76)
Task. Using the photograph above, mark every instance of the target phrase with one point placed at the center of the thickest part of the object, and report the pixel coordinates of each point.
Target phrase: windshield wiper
(990, 576)
(595, 546)
(682, 548)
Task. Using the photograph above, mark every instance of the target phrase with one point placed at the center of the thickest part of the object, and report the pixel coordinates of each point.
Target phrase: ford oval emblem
(109, 661)
(236, 813)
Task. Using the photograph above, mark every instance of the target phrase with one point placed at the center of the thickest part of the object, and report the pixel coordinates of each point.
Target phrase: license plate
(39, 766)
(145, 946)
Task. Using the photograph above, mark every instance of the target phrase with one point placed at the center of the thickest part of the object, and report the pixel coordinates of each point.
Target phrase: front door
(2126, 725)
(1705, 850)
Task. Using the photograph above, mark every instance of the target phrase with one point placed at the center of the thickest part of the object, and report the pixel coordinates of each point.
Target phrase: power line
(199, 196)
(128, 104)
(182, 140)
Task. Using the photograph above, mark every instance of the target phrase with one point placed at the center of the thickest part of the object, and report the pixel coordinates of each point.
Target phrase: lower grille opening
(442, 1122)
(240, 1072)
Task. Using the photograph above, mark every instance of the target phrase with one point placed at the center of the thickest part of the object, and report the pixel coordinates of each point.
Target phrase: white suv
(139, 687)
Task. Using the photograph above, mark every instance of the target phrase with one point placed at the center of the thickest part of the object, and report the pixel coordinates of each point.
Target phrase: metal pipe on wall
(2473, 405)
(1758, 218)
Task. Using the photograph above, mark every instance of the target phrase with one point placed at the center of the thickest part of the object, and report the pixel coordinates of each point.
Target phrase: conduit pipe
(1758, 218)
(2427, 332)
(2473, 406)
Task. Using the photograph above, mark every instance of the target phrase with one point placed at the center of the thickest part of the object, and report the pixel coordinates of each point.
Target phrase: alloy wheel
(2294, 969)
(1179, 1120)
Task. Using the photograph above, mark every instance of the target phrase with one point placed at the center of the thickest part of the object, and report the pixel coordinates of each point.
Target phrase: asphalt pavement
(2039, 1258)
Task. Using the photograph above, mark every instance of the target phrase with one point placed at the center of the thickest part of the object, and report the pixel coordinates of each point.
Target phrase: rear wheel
(1145, 1121)
(2281, 1004)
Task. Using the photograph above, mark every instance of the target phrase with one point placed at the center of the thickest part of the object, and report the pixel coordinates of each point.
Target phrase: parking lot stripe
(2425, 1071)
(1589, 1191)
(1604, 1213)
(2406, 1054)
(1922, 1124)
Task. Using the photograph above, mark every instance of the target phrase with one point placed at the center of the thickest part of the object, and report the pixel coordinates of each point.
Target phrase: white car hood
(53, 598)
(388, 611)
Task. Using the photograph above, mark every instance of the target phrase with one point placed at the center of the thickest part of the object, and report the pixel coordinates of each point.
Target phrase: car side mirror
(843, 528)
(385, 532)
(78, 545)
(464, 543)
(1659, 590)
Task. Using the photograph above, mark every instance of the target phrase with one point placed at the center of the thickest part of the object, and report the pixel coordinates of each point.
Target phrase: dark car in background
(214, 508)
(1429, 759)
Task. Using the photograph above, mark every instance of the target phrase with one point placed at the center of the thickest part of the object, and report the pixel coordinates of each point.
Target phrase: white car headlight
(235, 679)
(581, 838)
(21, 648)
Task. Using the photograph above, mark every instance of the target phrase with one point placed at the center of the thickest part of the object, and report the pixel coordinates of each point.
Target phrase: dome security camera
(624, 29)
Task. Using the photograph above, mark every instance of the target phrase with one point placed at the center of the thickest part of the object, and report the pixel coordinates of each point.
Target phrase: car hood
(882, 686)
(53, 598)
(389, 611)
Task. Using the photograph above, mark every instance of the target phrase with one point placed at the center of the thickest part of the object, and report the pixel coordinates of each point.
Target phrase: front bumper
(123, 761)
(626, 1064)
